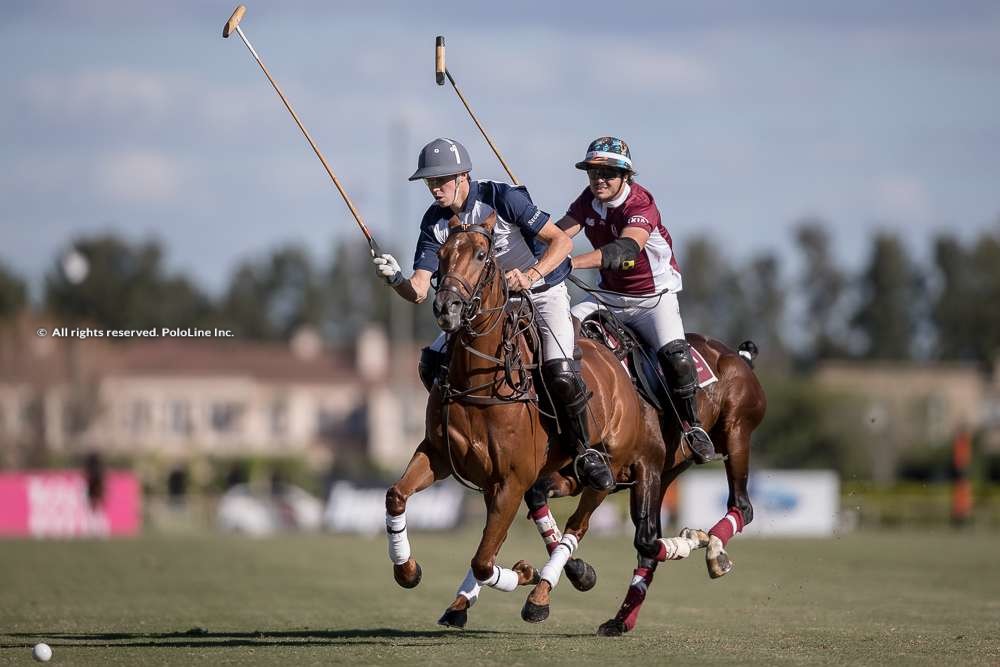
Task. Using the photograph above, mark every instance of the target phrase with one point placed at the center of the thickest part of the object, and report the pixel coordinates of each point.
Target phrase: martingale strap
(451, 459)
(512, 363)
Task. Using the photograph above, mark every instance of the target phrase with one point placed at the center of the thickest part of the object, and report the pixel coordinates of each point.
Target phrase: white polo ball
(41, 652)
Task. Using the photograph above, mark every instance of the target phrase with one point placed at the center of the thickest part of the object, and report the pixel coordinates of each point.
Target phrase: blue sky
(138, 118)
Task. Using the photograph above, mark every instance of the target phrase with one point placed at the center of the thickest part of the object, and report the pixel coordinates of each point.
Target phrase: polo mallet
(233, 24)
(441, 72)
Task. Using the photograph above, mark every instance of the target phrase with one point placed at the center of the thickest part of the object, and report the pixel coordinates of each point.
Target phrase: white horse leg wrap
(399, 544)
(502, 579)
(469, 588)
(676, 548)
(558, 558)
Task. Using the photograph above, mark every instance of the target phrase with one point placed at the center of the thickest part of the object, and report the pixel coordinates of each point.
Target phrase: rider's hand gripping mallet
(233, 24)
(440, 72)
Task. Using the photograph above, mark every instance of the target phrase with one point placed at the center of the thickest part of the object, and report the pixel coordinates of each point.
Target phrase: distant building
(178, 398)
(907, 404)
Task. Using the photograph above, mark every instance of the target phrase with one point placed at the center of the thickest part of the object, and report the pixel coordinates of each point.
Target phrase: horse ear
(490, 220)
(454, 222)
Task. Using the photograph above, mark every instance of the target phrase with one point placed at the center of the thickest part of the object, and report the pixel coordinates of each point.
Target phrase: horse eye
(481, 255)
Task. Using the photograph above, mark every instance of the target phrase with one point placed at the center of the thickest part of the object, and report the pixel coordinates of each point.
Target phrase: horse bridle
(471, 300)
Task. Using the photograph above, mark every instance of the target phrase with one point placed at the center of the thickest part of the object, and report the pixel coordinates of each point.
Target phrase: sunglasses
(438, 181)
(604, 173)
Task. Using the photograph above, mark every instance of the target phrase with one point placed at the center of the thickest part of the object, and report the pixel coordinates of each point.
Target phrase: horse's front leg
(419, 474)
(502, 501)
(536, 607)
(457, 614)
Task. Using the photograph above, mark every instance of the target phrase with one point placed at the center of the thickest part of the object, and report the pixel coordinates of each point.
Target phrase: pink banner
(54, 503)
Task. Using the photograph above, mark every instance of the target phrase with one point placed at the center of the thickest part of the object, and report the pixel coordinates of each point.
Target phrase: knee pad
(678, 366)
(430, 362)
(564, 382)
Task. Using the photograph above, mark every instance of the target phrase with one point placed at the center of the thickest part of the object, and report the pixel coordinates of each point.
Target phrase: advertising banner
(353, 508)
(56, 504)
(785, 502)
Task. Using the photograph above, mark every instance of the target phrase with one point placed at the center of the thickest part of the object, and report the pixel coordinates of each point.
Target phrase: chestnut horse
(483, 423)
(730, 409)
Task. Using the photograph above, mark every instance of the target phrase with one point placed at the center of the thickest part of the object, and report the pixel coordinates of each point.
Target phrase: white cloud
(902, 199)
(138, 176)
(112, 92)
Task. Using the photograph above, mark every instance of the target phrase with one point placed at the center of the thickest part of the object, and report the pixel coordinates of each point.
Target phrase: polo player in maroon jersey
(634, 253)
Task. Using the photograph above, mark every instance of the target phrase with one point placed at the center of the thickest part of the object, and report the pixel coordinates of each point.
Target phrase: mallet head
(234, 20)
(439, 60)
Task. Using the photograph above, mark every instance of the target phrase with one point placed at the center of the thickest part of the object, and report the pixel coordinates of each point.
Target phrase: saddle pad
(706, 375)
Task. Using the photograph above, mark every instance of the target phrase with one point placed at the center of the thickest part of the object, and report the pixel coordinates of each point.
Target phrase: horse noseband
(472, 302)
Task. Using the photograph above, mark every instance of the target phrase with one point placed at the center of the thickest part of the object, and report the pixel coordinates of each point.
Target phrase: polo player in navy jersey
(634, 253)
(534, 255)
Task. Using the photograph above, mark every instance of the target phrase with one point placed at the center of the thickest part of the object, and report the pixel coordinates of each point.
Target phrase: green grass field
(899, 598)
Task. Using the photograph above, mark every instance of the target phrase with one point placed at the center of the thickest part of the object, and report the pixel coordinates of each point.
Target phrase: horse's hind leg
(557, 485)
(419, 474)
(644, 507)
(536, 607)
(740, 511)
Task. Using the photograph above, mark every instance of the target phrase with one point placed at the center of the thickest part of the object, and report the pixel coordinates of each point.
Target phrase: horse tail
(748, 350)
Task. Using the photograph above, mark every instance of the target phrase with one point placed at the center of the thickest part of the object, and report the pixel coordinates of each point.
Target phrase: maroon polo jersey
(656, 269)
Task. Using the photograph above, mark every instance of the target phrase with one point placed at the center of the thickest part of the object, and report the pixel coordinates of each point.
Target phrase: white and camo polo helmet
(442, 157)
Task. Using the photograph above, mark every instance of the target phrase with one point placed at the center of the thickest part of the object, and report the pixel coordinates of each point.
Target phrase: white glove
(388, 269)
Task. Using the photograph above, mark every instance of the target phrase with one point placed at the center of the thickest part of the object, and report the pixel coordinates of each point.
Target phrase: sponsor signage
(55, 504)
(785, 502)
(351, 508)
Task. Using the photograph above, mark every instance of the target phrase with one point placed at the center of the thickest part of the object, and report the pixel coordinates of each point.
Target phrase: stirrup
(584, 479)
(699, 455)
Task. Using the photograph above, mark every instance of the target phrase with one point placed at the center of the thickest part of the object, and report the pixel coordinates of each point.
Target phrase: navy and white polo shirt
(514, 235)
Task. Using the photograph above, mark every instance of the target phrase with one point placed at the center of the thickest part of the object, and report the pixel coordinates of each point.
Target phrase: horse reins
(512, 363)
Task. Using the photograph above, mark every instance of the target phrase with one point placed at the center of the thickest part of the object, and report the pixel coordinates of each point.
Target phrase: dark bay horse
(730, 409)
(482, 424)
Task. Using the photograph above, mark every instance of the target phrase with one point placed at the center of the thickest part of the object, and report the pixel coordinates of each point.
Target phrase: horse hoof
(581, 574)
(717, 559)
(719, 566)
(454, 618)
(612, 628)
(404, 580)
(534, 613)
(526, 574)
(696, 536)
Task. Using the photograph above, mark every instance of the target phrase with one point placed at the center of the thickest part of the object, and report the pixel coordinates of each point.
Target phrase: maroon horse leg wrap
(547, 527)
(728, 525)
(629, 612)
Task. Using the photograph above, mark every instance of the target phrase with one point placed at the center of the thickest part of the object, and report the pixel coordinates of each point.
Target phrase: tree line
(894, 307)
